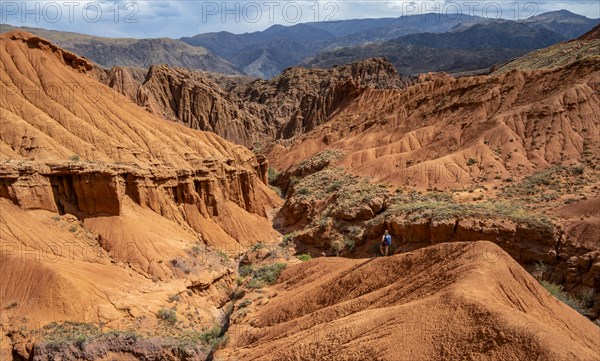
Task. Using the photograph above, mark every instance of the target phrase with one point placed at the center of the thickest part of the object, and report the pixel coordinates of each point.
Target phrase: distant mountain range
(491, 35)
(474, 48)
(414, 44)
(109, 52)
(265, 54)
(563, 22)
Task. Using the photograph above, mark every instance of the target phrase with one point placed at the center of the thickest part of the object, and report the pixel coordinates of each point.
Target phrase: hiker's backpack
(388, 239)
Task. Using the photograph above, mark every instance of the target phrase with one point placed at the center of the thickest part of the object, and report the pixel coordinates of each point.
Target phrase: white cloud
(185, 18)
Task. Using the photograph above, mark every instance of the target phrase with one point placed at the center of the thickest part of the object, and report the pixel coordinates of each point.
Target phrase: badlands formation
(455, 301)
(109, 211)
(126, 235)
(247, 111)
(511, 158)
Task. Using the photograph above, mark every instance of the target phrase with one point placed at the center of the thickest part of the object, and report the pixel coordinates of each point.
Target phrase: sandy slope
(445, 132)
(453, 301)
(107, 211)
(53, 274)
(52, 108)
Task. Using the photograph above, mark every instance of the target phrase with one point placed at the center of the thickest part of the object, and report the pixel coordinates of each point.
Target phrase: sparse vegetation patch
(169, 315)
(262, 276)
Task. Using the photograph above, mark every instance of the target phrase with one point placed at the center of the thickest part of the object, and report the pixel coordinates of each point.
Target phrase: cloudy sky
(145, 19)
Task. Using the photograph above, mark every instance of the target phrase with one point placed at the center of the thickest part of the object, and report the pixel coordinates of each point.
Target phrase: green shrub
(192, 339)
(288, 238)
(214, 337)
(578, 170)
(224, 257)
(262, 276)
(320, 160)
(337, 246)
(68, 335)
(237, 294)
(303, 191)
(558, 292)
(245, 303)
(441, 207)
(169, 315)
(56, 335)
(73, 229)
(75, 158)
(355, 230)
(256, 284)
(539, 269)
(323, 223)
(257, 148)
(129, 335)
(587, 299)
(245, 270)
(349, 242)
(304, 257)
(269, 273)
(196, 250)
(335, 186)
(174, 298)
(547, 185)
(273, 175)
(81, 339)
(471, 162)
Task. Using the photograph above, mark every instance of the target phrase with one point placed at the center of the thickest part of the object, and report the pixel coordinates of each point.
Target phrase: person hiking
(386, 241)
